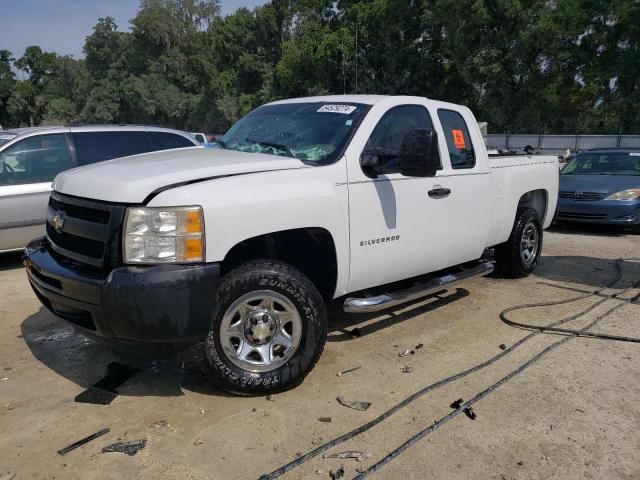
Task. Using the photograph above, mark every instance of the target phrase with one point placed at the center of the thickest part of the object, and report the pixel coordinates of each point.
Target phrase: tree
(609, 50)
(7, 84)
(103, 104)
(543, 66)
(105, 49)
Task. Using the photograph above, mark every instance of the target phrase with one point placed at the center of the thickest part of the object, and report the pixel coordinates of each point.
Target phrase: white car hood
(132, 179)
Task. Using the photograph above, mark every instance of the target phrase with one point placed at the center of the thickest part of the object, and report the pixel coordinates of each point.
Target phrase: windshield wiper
(222, 143)
(278, 146)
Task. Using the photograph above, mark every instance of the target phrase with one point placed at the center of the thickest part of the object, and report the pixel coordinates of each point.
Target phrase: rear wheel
(520, 254)
(268, 329)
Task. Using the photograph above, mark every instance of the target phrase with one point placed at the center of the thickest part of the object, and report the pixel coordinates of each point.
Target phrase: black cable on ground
(438, 423)
(423, 391)
(549, 328)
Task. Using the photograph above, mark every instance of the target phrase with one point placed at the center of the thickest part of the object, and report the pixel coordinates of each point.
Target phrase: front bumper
(150, 304)
(610, 212)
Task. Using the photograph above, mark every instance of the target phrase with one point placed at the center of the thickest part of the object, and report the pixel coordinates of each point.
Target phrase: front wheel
(520, 254)
(268, 329)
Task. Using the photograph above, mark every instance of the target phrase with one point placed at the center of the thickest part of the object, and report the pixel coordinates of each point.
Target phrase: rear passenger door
(168, 140)
(467, 177)
(92, 147)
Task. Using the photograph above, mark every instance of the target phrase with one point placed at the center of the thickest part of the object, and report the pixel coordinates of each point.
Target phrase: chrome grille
(583, 195)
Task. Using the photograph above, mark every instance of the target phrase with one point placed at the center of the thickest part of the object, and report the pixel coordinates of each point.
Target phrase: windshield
(315, 133)
(594, 163)
(6, 137)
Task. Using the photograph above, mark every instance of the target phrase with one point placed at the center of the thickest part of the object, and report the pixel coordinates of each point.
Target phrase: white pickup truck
(304, 201)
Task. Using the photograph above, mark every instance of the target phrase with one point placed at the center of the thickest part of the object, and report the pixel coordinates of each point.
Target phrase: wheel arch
(312, 250)
(538, 200)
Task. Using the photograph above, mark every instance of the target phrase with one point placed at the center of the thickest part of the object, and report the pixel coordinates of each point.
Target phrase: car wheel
(520, 254)
(268, 329)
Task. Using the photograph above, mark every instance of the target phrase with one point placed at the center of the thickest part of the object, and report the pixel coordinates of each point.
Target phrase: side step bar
(388, 300)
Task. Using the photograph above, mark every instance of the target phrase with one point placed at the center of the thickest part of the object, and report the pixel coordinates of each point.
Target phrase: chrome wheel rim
(529, 244)
(260, 331)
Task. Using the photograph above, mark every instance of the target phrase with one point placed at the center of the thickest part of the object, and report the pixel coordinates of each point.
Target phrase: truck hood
(606, 184)
(133, 179)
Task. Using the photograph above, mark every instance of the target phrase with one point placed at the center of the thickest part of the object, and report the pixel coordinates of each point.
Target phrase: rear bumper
(610, 212)
(152, 304)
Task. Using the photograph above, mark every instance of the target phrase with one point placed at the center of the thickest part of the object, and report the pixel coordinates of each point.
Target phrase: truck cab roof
(363, 99)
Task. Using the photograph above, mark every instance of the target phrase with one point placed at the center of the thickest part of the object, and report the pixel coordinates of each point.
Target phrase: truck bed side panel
(513, 178)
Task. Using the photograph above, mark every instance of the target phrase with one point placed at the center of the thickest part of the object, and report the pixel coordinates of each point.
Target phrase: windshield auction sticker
(329, 108)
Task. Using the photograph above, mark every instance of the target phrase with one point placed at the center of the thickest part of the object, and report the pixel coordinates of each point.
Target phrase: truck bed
(520, 160)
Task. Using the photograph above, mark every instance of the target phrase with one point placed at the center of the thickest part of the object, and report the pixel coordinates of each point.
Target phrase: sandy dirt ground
(574, 414)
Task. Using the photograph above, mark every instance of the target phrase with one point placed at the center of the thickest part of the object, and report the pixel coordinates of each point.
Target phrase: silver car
(31, 157)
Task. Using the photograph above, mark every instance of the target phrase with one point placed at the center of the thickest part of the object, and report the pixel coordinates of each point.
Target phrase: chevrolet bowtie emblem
(57, 222)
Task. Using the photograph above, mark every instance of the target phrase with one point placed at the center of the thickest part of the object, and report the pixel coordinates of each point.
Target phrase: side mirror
(371, 159)
(419, 155)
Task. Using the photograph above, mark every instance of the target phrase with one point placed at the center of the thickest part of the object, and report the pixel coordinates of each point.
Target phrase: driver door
(397, 230)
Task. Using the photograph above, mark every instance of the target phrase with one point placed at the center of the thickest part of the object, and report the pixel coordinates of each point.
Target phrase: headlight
(630, 194)
(164, 235)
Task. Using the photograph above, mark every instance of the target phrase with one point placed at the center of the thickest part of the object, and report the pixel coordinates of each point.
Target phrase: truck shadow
(10, 261)
(363, 324)
(84, 361)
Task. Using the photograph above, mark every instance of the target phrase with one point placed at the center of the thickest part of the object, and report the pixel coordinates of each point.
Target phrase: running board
(388, 300)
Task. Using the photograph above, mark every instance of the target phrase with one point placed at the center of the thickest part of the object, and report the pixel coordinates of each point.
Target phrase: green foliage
(103, 104)
(59, 111)
(7, 84)
(537, 65)
(105, 49)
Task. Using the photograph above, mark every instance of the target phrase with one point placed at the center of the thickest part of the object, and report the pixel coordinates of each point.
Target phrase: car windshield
(315, 133)
(595, 163)
(6, 137)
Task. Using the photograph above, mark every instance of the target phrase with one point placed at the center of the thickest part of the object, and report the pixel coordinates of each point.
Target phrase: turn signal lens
(164, 235)
(194, 221)
(194, 249)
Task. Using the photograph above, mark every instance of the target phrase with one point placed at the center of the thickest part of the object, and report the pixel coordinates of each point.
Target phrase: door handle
(439, 192)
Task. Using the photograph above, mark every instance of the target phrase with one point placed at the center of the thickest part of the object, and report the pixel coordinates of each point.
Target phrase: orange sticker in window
(458, 139)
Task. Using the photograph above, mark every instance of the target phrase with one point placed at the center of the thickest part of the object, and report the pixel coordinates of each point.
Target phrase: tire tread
(230, 378)
(508, 253)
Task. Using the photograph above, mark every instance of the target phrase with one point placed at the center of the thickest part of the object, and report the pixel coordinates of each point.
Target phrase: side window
(386, 138)
(166, 140)
(92, 147)
(34, 159)
(459, 143)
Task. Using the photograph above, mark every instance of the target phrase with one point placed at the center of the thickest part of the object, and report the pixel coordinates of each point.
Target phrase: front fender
(245, 206)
